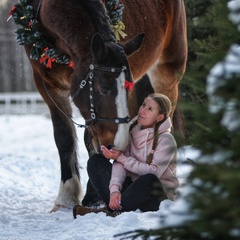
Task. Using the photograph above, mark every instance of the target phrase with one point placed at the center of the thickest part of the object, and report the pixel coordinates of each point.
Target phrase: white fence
(22, 103)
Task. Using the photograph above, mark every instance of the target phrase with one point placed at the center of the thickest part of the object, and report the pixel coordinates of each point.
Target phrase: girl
(149, 162)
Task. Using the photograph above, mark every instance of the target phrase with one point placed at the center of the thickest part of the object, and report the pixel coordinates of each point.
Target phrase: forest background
(210, 100)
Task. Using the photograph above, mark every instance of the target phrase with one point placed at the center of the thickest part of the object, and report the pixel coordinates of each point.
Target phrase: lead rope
(54, 102)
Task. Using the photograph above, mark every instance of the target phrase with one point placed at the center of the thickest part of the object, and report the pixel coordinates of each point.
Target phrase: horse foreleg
(165, 78)
(66, 141)
(141, 89)
(65, 138)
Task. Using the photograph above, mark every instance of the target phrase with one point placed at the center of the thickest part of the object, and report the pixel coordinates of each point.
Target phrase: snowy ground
(29, 181)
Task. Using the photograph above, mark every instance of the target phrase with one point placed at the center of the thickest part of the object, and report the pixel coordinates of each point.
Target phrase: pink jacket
(132, 162)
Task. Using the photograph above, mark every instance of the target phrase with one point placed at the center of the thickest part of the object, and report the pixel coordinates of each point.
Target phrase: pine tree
(210, 34)
(212, 190)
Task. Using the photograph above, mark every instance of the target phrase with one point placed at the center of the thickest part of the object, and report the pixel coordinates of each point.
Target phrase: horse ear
(98, 47)
(134, 44)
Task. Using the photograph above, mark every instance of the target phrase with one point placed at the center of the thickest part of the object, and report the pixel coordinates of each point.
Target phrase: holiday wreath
(29, 33)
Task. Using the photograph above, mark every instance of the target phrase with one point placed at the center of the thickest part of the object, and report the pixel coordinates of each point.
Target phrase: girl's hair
(165, 108)
(164, 104)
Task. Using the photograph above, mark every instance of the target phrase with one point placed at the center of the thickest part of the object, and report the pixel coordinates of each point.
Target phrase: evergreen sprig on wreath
(115, 11)
(30, 33)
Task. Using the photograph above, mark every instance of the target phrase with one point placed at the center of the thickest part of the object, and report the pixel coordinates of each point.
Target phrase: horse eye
(104, 91)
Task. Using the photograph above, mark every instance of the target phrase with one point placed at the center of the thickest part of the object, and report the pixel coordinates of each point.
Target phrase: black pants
(135, 195)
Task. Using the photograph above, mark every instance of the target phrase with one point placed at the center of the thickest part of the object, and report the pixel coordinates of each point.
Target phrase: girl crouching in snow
(148, 163)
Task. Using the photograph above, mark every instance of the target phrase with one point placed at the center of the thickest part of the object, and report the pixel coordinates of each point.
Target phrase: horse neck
(70, 36)
(101, 21)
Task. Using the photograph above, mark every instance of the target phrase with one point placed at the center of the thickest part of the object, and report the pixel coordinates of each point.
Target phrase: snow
(219, 75)
(234, 15)
(29, 182)
(223, 72)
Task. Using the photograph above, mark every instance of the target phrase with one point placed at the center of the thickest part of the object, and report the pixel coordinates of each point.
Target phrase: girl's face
(148, 113)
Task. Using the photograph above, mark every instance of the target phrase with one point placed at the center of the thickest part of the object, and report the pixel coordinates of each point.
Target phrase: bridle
(89, 79)
(94, 118)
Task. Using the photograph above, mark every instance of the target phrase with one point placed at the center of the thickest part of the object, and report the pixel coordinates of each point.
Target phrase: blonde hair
(165, 108)
(164, 104)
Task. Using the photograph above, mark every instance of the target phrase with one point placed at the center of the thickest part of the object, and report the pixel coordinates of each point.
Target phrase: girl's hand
(115, 201)
(110, 154)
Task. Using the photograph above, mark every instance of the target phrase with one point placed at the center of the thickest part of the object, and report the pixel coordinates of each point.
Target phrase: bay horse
(153, 54)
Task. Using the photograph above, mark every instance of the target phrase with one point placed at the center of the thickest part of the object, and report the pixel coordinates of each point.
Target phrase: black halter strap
(89, 80)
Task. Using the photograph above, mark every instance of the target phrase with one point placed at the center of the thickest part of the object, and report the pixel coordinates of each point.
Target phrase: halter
(81, 86)
(89, 79)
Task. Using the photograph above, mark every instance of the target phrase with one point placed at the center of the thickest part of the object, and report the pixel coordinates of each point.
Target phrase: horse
(152, 54)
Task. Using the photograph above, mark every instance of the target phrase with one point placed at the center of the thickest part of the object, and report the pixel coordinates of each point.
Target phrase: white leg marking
(69, 193)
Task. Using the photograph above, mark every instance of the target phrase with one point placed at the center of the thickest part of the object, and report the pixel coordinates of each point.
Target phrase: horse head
(101, 93)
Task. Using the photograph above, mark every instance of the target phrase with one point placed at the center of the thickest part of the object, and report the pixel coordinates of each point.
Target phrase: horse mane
(96, 9)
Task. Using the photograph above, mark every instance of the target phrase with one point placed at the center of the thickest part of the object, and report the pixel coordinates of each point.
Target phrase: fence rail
(22, 103)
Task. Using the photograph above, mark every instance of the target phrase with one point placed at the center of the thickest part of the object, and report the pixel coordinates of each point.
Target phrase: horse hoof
(56, 208)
